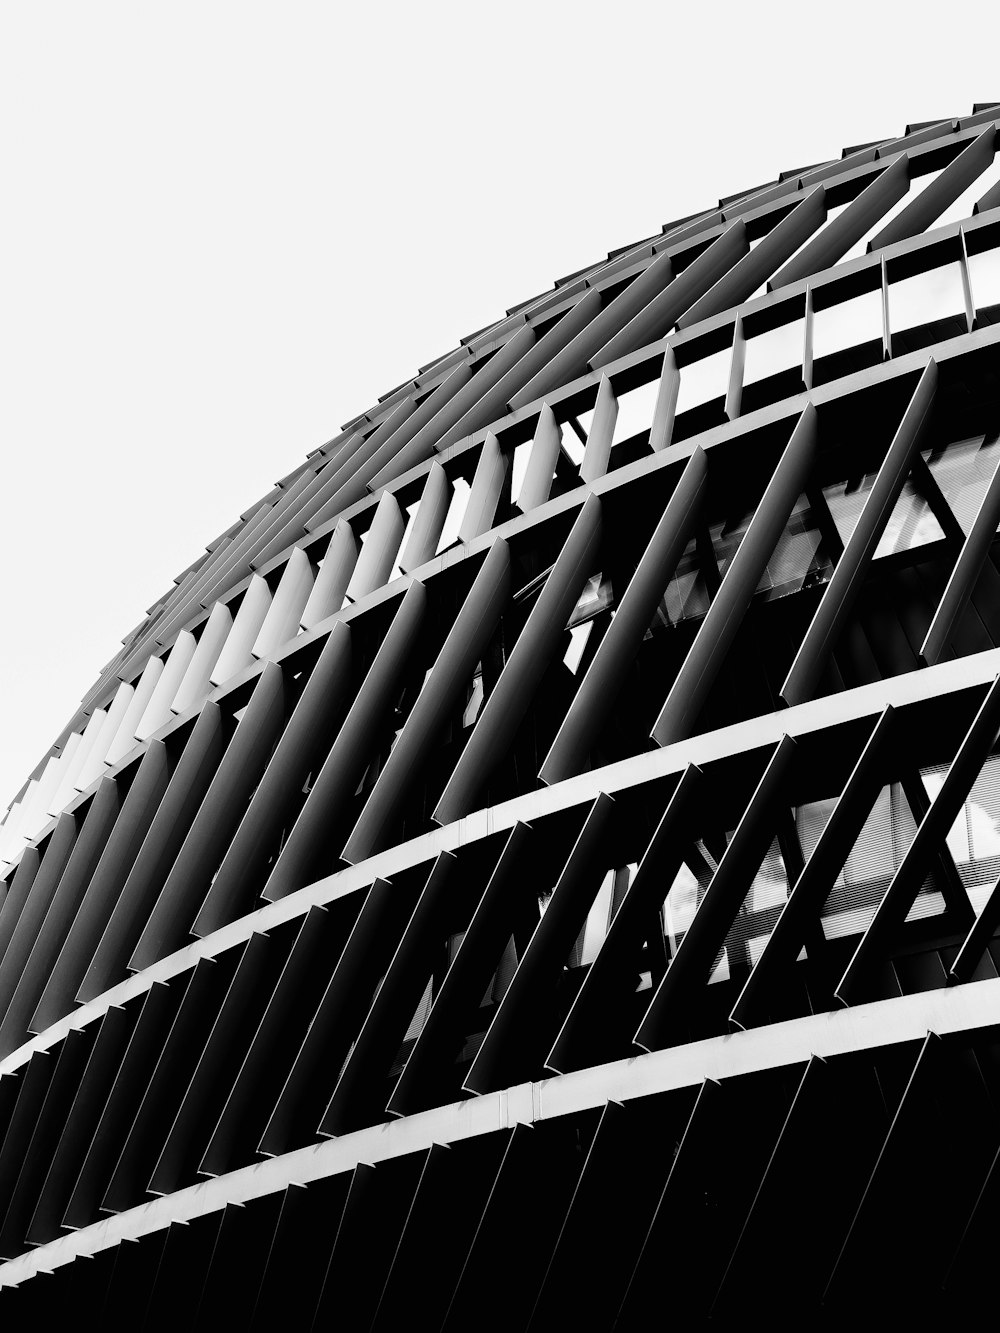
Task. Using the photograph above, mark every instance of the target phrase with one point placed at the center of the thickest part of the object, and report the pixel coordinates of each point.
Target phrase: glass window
(810, 821)
(727, 537)
(681, 903)
(957, 839)
(873, 861)
(455, 514)
(572, 446)
(420, 1016)
(984, 278)
(522, 453)
(774, 351)
(847, 324)
(596, 597)
(704, 380)
(598, 920)
(963, 471)
(911, 523)
(797, 558)
(411, 515)
(635, 411)
(686, 595)
(578, 637)
(597, 594)
(974, 838)
(925, 297)
(475, 700)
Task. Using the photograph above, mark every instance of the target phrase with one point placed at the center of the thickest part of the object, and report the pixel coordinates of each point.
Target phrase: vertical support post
(602, 430)
(737, 364)
(662, 429)
(379, 549)
(487, 486)
(428, 521)
(541, 463)
(330, 586)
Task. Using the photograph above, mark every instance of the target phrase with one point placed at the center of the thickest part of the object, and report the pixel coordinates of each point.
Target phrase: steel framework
(540, 864)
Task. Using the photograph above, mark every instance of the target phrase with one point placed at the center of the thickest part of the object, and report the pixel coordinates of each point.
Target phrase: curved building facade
(538, 867)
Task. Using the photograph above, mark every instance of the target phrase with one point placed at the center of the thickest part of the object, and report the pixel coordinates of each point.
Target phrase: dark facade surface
(539, 866)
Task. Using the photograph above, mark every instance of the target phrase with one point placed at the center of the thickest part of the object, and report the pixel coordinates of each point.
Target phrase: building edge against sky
(540, 863)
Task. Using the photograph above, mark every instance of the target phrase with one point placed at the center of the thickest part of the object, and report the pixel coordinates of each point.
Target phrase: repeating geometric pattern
(542, 862)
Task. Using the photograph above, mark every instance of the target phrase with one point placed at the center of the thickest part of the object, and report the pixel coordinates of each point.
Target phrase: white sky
(227, 228)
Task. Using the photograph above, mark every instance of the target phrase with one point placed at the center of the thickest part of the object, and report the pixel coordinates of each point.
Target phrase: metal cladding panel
(541, 865)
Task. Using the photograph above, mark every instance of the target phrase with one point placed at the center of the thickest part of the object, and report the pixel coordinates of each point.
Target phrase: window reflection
(798, 560)
(635, 411)
(774, 351)
(847, 324)
(911, 523)
(686, 596)
(704, 380)
(753, 924)
(974, 838)
(984, 277)
(963, 471)
(926, 297)
(874, 859)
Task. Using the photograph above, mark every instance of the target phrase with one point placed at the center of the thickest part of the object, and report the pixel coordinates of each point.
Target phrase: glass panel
(597, 594)
(770, 888)
(925, 297)
(505, 972)
(848, 324)
(810, 821)
(727, 537)
(635, 411)
(456, 512)
(873, 861)
(596, 927)
(974, 839)
(911, 523)
(770, 353)
(761, 908)
(958, 835)
(475, 702)
(411, 514)
(963, 471)
(797, 558)
(572, 446)
(423, 1009)
(704, 380)
(522, 454)
(984, 277)
(578, 637)
(752, 926)
(686, 596)
(681, 904)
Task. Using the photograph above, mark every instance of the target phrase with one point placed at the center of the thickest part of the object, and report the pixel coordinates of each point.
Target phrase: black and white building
(538, 867)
